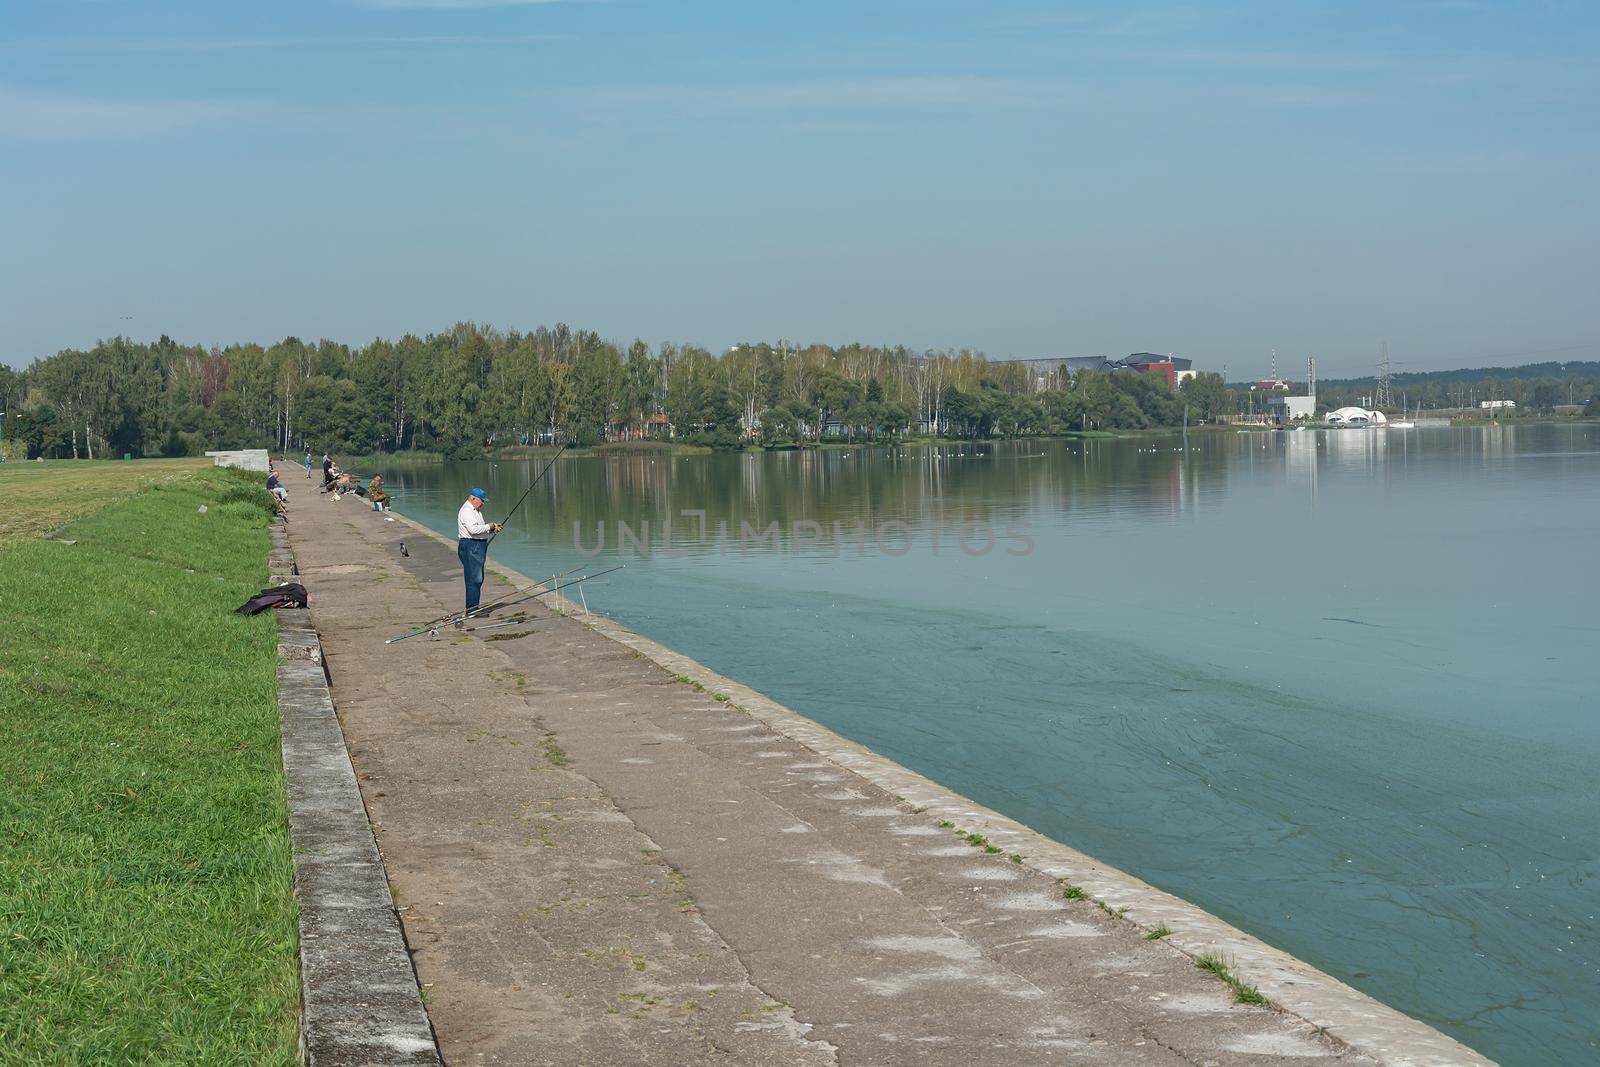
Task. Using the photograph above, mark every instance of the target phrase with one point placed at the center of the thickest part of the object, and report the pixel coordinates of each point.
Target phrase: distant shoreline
(677, 448)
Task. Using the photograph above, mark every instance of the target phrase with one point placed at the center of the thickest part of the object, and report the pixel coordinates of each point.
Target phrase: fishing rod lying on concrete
(515, 620)
(497, 602)
(482, 609)
(516, 595)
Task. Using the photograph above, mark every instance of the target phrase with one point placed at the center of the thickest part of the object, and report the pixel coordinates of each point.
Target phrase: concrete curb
(360, 1004)
(1292, 985)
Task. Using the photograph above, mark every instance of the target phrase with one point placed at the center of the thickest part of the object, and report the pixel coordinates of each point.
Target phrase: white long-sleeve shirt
(470, 523)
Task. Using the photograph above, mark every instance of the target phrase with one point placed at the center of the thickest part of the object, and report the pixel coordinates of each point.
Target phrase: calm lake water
(1337, 688)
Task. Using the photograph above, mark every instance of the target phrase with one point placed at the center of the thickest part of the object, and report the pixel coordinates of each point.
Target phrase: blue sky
(1215, 180)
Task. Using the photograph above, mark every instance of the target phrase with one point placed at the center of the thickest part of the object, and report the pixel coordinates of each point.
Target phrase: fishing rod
(534, 595)
(433, 626)
(519, 620)
(439, 624)
(528, 490)
(499, 601)
(513, 597)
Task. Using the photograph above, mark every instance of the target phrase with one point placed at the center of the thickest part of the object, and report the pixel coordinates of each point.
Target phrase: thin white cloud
(457, 5)
(867, 102)
(937, 94)
(1445, 6)
(1266, 59)
(242, 43)
(1117, 21)
(31, 116)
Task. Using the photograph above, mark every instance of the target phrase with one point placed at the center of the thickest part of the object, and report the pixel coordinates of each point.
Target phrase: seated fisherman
(375, 493)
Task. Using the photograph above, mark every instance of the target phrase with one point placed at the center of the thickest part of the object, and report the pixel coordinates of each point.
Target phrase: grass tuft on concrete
(1244, 994)
(146, 898)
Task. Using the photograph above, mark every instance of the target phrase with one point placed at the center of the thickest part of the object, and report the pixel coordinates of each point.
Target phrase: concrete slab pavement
(597, 863)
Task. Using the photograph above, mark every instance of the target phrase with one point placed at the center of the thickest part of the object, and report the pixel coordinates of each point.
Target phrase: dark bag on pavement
(288, 595)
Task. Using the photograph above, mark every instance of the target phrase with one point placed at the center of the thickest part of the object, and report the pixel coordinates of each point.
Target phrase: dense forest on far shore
(472, 388)
(1539, 387)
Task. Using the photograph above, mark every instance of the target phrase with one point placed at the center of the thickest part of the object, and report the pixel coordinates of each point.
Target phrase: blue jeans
(472, 554)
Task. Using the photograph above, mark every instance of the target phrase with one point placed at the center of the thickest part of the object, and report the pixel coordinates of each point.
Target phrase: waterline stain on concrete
(990, 873)
(1284, 1045)
(1028, 902)
(950, 948)
(1067, 929)
(843, 867)
(1194, 1003)
(1005, 984)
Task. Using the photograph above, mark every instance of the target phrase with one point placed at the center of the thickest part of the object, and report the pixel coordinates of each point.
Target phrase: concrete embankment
(602, 852)
(359, 998)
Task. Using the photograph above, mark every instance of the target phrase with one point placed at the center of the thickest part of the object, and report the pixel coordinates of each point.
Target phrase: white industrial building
(1287, 409)
(1290, 408)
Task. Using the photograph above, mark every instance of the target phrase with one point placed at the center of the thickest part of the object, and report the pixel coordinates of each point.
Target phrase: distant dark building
(1173, 368)
(1099, 363)
(1072, 364)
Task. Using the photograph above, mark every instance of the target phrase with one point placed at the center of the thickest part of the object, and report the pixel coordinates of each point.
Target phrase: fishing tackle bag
(288, 595)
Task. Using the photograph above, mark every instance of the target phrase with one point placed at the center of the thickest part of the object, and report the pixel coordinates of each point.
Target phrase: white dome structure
(1354, 416)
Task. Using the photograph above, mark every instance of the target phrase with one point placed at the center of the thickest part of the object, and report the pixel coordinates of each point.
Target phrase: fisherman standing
(472, 542)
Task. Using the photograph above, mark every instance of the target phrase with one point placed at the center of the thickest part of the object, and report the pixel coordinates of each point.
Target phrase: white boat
(1407, 424)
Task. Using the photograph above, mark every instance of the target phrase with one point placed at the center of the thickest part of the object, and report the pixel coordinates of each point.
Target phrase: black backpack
(288, 595)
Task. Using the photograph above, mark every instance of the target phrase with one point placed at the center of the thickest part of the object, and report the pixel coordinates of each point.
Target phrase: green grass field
(36, 498)
(146, 904)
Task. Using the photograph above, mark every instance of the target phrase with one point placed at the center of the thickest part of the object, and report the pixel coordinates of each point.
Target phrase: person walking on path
(308, 466)
(472, 542)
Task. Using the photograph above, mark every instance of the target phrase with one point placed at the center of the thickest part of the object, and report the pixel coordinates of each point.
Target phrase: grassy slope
(146, 903)
(35, 498)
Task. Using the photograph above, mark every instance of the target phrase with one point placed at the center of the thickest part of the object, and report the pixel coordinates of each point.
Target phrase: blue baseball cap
(480, 494)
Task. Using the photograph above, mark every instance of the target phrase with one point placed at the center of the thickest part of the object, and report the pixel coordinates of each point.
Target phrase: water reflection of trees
(925, 488)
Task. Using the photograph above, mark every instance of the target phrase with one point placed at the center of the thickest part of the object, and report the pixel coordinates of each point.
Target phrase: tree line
(1539, 388)
(473, 388)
